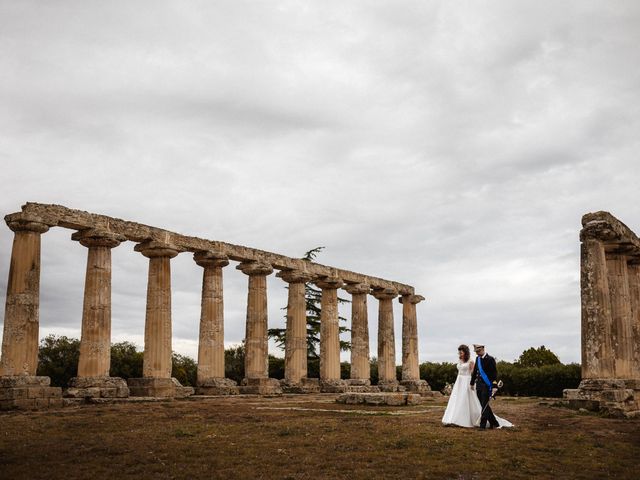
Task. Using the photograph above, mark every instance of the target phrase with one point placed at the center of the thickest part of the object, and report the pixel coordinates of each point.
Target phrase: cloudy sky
(453, 146)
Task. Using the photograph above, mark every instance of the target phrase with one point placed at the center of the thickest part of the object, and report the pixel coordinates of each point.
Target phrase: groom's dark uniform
(482, 389)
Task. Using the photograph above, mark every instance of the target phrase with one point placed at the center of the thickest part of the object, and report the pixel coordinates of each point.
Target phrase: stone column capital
(384, 293)
(413, 299)
(211, 259)
(294, 276)
(153, 248)
(329, 283)
(255, 268)
(98, 238)
(19, 222)
(357, 288)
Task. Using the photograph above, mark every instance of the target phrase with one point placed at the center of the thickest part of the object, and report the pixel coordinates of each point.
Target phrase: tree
(184, 369)
(537, 357)
(58, 359)
(126, 360)
(313, 297)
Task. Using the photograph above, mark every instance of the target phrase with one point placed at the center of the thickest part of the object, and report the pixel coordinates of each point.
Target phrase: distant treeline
(538, 372)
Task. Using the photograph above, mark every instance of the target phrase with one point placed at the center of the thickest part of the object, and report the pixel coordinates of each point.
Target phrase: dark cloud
(452, 147)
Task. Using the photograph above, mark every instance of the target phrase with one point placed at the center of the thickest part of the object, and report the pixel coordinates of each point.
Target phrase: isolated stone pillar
(622, 333)
(410, 359)
(634, 292)
(211, 375)
(21, 318)
(360, 367)
(330, 381)
(93, 378)
(256, 356)
(596, 312)
(295, 355)
(387, 380)
(156, 367)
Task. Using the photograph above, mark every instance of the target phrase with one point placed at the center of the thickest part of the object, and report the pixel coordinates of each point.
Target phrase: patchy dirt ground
(311, 437)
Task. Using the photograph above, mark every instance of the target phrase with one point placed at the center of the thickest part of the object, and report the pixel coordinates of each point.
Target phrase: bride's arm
(472, 367)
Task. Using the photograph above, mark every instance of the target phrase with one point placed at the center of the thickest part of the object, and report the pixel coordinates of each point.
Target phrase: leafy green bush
(184, 369)
(58, 359)
(545, 381)
(126, 361)
(438, 374)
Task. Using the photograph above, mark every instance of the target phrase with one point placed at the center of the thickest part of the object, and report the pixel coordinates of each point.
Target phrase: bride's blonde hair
(465, 349)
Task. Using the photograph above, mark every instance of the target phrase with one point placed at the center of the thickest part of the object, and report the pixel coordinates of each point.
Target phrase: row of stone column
(20, 338)
(610, 312)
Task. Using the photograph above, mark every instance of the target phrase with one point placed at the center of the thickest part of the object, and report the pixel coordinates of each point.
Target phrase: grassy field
(311, 437)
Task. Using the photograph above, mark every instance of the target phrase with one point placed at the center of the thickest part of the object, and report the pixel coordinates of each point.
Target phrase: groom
(486, 374)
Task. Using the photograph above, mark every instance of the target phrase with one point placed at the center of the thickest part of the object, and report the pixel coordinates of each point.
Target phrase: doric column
(360, 367)
(634, 291)
(21, 320)
(156, 367)
(622, 333)
(95, 342)
(295, 356)
(211, 375)
(410, 363)
(329, 330)
(386, 339)
(597, 354)
(256, 360)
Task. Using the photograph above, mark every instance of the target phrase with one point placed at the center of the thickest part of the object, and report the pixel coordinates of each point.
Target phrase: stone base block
(416, 386)
(386, 398)
(24, 392)
(358, 382)
(158, 387)
(609, 396)
(97, 387)
(217, 386)
(260, 386)
(306, 385)
(333, 386)
(393, 386)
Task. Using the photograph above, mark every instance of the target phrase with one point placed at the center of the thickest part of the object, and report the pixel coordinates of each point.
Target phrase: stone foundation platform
(217, 386)
(391, 387)
(97, 387)
(383, 398)
(158, 387)
(26, 392)
(419, 386)
(306, 385)
(615, 397)
(333, 386)
(260, 386)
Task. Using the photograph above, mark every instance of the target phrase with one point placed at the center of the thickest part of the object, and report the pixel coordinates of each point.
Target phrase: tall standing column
(95, 342)
(622, 337)
(360, 367)
(295, 352)
(387, 380)
(634, 291)
(330, 381)
(596, 312)
(21, 318)
(410, 359)
(256, 355)
(211, 375)
(156, 366)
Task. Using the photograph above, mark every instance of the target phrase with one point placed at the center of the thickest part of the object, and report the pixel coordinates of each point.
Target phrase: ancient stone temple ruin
(99, 234)
(610, 291)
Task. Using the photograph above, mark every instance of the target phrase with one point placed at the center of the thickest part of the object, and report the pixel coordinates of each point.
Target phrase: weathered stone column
(622, 333)
(634, 291)
(330, 381)
(360, 367)
(256, 356)
(21, 318)
(93, 378)
(410, 360)
(156, 367)
(295, 356)
(596, 312)
(19, 385)
(211, 374)
(387, 380)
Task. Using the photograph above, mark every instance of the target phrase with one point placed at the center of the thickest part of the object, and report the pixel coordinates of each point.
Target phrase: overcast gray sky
(453, 146)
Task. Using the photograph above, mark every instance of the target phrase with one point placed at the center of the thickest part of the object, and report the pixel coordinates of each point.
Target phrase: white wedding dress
(464, 407)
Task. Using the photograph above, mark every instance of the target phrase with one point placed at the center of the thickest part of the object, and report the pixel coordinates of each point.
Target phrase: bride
(464, 407)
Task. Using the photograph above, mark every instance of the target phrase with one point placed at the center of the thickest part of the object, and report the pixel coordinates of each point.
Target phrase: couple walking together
(475, 385)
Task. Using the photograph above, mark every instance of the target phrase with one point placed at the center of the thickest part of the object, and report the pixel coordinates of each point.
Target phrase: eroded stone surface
(392, 399)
